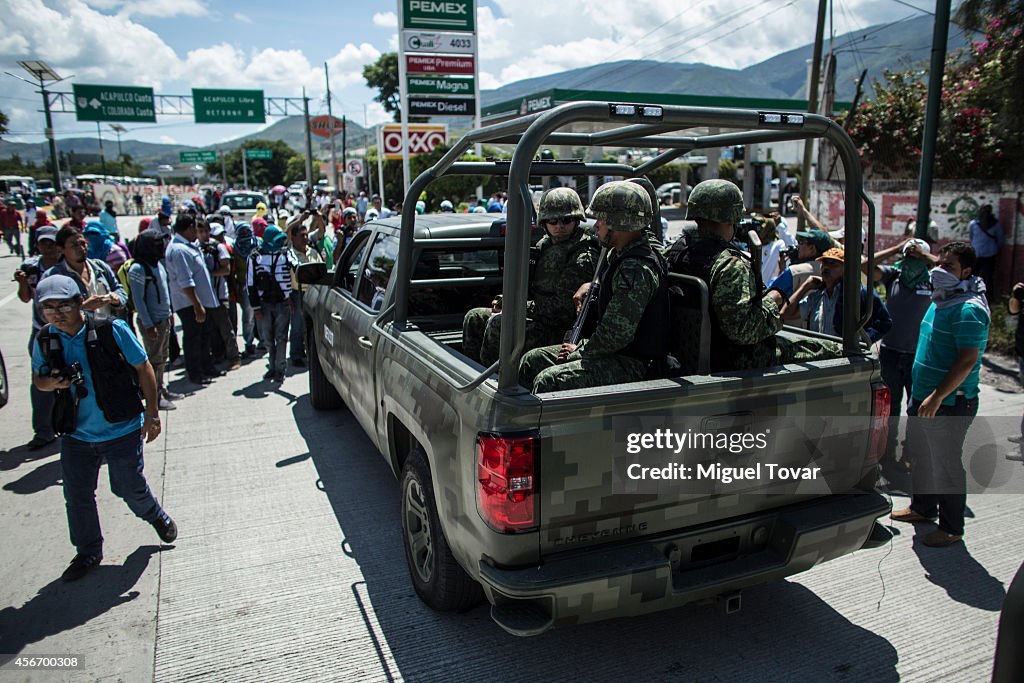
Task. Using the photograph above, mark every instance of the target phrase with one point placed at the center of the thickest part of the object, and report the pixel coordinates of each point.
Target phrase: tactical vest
(694, 255)
(114, 379)
(651, 341)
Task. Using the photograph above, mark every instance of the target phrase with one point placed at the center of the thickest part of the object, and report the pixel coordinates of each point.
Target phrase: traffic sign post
(114, 103)
(228, 106)
(204, 157)
(259, 154)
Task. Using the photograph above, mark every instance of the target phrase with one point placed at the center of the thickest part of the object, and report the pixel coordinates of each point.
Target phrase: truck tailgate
(816, 415)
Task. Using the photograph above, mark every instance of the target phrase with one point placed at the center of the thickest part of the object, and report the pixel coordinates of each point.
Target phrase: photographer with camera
(100, 374)
(28, 277)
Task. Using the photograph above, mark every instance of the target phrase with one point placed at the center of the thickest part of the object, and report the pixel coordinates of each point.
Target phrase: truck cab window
(377, 272)
(347, 273)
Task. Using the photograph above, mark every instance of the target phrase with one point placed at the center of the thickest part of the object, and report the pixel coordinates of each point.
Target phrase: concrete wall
(954, 204)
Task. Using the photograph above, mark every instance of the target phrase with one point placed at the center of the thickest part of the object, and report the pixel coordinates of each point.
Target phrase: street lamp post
(118, 128)
(43, 73)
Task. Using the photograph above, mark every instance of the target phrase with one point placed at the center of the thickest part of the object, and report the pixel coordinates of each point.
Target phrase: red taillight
(879, 422)
(506, 476)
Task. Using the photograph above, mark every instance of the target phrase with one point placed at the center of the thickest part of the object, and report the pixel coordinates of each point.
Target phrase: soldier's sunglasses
(563, 220)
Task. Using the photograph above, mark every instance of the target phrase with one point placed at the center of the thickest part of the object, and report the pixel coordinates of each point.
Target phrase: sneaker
(167, 405)
(80, 566)
(1015, 439)
(234, 365)
(173, 395)
(910, 516)
(1016, 456)
(165, 527)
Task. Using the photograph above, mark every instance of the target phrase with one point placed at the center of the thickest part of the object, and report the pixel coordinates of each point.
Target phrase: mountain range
(894, 46)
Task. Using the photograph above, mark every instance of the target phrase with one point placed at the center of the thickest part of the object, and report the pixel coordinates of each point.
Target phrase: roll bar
(641, 126)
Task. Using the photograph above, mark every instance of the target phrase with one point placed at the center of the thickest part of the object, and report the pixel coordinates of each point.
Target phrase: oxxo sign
(423, 138)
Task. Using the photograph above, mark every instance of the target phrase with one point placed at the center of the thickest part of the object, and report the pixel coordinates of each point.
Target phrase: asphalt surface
(289, 567)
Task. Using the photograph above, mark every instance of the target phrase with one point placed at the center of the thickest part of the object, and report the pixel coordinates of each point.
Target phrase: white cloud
(385, 19)
(347, 65)
(245, 19)
(168, 140)
(165, 8)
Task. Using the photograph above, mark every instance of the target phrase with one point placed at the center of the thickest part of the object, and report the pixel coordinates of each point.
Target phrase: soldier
(563, 260)
(744, 319)
(632, 304)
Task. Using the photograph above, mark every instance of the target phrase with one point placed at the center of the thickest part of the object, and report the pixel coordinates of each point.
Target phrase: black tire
(3, 382)
(437, 577)
(322, 394)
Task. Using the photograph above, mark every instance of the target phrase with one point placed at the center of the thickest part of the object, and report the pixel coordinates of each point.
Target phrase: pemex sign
(438, 15)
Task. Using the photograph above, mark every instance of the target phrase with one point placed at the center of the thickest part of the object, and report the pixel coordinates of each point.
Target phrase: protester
(147, 278)
(270, 286)
(245, 245)
(218, 263)
(191, 295)
(300, 251)
(108, 217)
(106, 423)
(10, 224)
(103, 295)
(28, 277)
(987, 239)
(954, 333)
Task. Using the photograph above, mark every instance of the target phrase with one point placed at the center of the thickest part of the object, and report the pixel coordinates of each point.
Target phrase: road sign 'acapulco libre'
(228, 106)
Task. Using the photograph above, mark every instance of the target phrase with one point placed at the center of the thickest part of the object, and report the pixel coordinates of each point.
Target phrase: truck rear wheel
(437, 577)
(322, 394)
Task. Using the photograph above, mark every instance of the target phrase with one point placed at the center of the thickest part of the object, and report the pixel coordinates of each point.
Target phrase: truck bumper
(672, 570)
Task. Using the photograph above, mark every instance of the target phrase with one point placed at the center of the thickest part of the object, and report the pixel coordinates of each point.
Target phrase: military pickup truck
(529, 500)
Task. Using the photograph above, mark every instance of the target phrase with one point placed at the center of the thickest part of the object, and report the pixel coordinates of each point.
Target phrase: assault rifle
(573, 335)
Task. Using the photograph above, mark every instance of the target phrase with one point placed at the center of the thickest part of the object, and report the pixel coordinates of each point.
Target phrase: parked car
(669, 193)
(243, 204)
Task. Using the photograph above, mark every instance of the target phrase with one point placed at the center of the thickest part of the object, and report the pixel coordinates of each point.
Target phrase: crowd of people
(107, 302)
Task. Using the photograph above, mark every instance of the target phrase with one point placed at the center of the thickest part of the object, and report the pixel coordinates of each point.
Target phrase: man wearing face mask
(954, 332)
(908, 293)
(561, 261)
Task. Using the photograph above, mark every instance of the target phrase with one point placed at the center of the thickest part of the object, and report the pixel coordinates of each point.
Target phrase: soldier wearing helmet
(744, 318)
(561, 261)
(631, 307)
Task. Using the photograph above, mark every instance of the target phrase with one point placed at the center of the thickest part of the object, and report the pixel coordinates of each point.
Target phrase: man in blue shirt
(944, 396)
(192, 294)
(987, 239)
(103, 427)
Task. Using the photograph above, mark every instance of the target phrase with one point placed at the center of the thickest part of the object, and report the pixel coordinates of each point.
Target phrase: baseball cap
(216, 229)
(348, 211)
(57, 287)
(818, 238)
(46, 232)
(833, 254)
(922, 246)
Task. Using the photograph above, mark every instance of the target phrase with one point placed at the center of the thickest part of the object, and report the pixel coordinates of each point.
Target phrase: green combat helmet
(715, 200)
(623, 205)
(559, 202)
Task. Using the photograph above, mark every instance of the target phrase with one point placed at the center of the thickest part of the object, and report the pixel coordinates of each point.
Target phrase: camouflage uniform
(559, 271)
(744, 320)
(634, 284)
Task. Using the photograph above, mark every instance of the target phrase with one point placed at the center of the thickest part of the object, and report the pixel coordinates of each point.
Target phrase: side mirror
(311, 273)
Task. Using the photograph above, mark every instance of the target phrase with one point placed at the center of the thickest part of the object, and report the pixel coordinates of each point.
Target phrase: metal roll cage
(642, 126)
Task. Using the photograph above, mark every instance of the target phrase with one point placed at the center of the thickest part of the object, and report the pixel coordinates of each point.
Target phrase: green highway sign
(114, 103)
(441, 85)
(197, 157)
(228, 106)
(439, 15)
(259, 154)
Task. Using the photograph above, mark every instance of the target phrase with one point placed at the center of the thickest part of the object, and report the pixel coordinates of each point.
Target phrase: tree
(3, 123)
(980, 127)
(383, 75)
(262, 172)
(295, 169)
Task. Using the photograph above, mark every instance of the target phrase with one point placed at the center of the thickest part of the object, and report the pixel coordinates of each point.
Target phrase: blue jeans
(897, 372)
(248, 320)
(80, 462)
(297, 336)
(939, 478)
(274, 333)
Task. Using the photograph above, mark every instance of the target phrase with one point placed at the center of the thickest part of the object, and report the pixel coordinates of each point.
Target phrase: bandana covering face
(949, 290)
(913, 272)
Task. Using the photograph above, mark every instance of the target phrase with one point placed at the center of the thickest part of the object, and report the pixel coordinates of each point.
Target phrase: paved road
(289, 567)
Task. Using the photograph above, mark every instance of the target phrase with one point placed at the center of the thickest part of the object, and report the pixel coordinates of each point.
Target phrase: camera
(73, 373)
(792, 254)
(1018, 293)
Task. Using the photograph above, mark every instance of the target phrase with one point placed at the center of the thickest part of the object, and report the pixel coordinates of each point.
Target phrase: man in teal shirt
(954, 333)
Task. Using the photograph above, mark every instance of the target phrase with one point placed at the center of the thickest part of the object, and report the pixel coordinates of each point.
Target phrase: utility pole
(224, 168)
(344, 142)
(931, 116)
(118, 128)
(43, 73)
(812, 104)
(245, 170)
(334, 159)
(309, 141)
(103, 159)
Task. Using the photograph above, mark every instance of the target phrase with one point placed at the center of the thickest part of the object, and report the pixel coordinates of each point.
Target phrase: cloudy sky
(175, 45)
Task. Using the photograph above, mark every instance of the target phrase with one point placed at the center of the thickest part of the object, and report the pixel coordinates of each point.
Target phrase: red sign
(326, 126)
(439, 64)
(423, 138)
